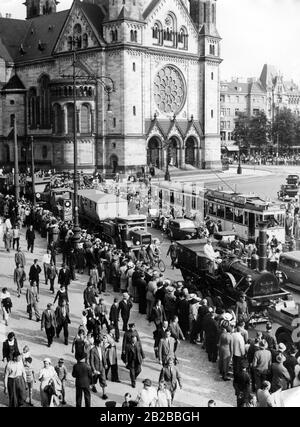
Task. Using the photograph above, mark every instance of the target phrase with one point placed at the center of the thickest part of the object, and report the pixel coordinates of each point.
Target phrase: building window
(237, 111)
(12, 120)
(227, 111)
(134, 111)
(183, 38)
(212, 114)
(133, 67)
(222, 125)
(44, 152)
(222, 98)
(237, 99)
(12, 102)
(57, 119)
(228, 125)
(223, 136)
(114, 122)
(157, 33)
(32, 107)
(44, 96)
(212, 49)
(212, 76)
(70, 118)
(85, 41)
(223, 112)
(85, 119)
(255, 111)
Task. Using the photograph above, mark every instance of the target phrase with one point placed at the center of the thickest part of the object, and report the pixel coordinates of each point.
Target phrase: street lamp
(16, 171)
(239, 169)
(108, 86)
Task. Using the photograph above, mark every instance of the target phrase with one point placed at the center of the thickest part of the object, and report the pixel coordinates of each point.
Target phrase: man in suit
(124, 308)
(34, 274)
(62, 314)
(212, 333)
(171, 376)
(158, 314)
(166, 348)
(30, 237)
(49, 323)
(131, 332)
(32, 301)
(114, 318)
(89, 296)
(64, 276)
(51, 275)
(101, 313)
(98, 365)
(134, 356)
(83, 379)
(20, 258)
(158, 334)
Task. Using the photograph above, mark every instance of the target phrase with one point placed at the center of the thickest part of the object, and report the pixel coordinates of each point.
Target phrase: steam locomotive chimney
(262, 247)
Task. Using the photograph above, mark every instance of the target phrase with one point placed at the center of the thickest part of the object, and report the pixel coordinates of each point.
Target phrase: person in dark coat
(30, 237)
(72, 264)
(134, 356)
(280, 375)
(211, 330)
(183, 314)
(171, 376)
(159, 334)
(158, 315)
(202, 311)
(34, 274)
(225, 352)
(9, 347)
(131, 332)
(141, 286)
(49, 323)
(98, 364)
(62, 314)
(64, 276)
(61, 296)
(80, 259)
(89, 296)
(160, 292)
(242, 385)
(114, 318)
(83, 379)
(124, 308)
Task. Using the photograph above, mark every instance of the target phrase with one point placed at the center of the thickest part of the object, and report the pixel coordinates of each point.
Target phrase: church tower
(40, 7)
(204, 14)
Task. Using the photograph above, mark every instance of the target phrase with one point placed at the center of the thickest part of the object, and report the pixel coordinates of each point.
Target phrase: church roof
(209, 30)
(257, 87)
(12, 33)
(268, 73)
(95, 14)
(41, 36)
(150, 7)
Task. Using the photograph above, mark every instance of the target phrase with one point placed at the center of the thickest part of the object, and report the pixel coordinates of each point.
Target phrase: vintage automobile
(182, 229)
(289, 265)
(293, 179)
(288, 191)
(137, 238)
(125, 229)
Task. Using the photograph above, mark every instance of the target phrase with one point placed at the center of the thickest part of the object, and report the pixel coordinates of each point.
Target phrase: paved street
(201, 381)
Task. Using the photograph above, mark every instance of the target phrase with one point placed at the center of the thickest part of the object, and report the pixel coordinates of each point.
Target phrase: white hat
(281, 347)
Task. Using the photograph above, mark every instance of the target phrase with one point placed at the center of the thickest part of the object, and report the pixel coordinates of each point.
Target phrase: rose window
(169, 90)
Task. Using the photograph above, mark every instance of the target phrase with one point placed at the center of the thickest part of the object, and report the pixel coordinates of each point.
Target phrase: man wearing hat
(271, 340)
(124, 308)
(262, 362)
(280, 375)
(158, 314)
(49, 323)
(114, 318)
(83, 379)
(166, 348)
(131, 332)
(98, 364)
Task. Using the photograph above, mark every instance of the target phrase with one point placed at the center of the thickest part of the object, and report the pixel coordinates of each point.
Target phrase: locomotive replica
(233, 277)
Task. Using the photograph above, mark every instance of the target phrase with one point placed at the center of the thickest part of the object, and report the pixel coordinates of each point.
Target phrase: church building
(146, 79)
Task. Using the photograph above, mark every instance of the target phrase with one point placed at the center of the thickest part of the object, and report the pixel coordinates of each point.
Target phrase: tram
(243, 213)
(240, 213)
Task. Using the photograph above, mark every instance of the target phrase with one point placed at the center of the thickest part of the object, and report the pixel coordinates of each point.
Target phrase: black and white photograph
(149, 206)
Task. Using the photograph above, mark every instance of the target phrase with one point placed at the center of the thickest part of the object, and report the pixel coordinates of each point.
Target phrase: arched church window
(183, 38)
(85, 119)
(70, 43)
(157, 33)
(44, 95)
(70, 118)
(32, 110)
(57, 119)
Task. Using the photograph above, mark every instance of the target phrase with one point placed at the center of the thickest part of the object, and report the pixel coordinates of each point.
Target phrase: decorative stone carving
(169, 90)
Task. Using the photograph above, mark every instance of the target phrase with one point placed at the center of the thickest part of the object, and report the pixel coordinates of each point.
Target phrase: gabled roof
(149, 8)
(41, 36)
(257, 87)
(268, 73)
(95, 15)
(12, 34)
(209, 30)
(14, 83)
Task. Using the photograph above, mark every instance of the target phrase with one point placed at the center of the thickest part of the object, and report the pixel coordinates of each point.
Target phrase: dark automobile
(182, 229)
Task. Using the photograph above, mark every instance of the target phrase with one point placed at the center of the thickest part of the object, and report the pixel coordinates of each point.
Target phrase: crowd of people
(177, 310)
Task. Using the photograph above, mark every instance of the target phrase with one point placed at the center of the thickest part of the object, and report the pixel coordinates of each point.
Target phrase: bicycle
(160, 264)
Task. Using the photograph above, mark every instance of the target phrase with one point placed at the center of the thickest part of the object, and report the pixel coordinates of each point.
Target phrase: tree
(241, 130)
(259, 131)
(284, 128)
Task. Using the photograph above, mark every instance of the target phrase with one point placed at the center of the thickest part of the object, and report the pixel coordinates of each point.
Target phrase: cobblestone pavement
(201, 380)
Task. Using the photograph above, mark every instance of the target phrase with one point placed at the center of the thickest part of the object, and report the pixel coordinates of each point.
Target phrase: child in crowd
(30, 377)
(25, 353)
(128, 403)
(61, 371)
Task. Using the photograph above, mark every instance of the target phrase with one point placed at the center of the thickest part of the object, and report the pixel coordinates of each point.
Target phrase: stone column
(92, 118)
(78, 120)
(64, 120)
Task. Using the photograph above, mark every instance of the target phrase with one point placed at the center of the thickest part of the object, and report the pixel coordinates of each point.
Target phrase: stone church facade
(163, 57)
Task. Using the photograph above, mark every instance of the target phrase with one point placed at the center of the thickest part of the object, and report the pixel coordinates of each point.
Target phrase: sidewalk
(201, 381)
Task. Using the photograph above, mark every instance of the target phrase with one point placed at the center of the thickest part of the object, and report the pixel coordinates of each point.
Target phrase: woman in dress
(48, 378)
(14, 381)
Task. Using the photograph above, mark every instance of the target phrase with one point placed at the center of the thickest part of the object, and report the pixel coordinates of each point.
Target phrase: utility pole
(32, 173)
(76, 229)
(17, 176)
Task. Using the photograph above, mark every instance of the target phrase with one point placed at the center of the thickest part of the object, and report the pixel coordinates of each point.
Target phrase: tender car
(289, 265)
(182, 229)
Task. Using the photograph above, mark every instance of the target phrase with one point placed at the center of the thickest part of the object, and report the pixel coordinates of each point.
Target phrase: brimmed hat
(227, 316)
(281, 347)
(47, 360)
(147, 382)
